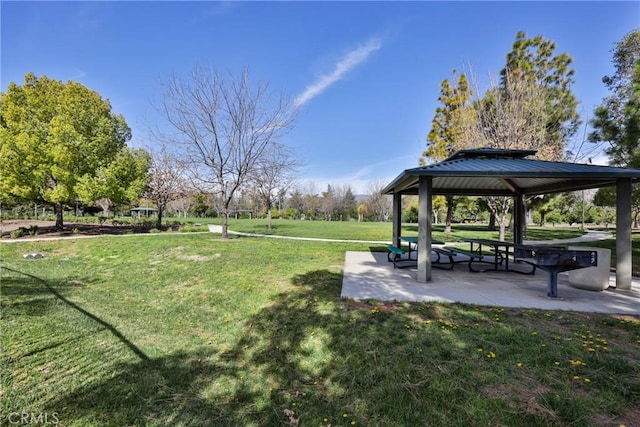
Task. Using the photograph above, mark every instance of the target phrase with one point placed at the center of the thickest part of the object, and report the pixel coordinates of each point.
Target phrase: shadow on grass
(15, 284)
(310, 356)
(306, 357)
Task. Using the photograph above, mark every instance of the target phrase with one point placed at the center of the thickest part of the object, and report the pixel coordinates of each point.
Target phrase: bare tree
(226, 125)
(512, 116)
(167, 182)
(378, 204)
(274, 174)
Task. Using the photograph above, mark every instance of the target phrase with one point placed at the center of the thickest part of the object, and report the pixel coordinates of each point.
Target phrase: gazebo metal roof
(499, 172)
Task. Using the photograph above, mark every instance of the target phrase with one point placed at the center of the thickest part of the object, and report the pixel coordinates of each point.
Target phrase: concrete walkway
(589, 236)
(218, 229)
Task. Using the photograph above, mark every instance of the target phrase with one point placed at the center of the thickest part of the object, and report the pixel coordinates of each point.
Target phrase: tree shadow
(252, 379)
(304, 357)
(306, 354)
(22, 280)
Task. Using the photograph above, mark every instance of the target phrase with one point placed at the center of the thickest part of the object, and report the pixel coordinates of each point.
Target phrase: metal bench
(394, 254)
(473, 256)
(438, 262)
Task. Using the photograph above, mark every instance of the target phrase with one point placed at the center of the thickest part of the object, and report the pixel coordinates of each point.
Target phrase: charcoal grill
(555, 260)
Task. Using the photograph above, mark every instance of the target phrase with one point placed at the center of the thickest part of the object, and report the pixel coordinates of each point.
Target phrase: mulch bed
(47, 229)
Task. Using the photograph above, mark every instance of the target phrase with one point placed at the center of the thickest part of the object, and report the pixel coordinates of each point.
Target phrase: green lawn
(186, 329)
(377, 231)
(382, 232)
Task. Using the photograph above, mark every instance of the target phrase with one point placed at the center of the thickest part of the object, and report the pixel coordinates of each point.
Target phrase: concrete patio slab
(369, 275)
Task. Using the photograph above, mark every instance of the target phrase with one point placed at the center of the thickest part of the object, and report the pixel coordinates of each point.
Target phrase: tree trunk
(269, 225)
(504, 214)
(542, 215)
(501, 234)
(492, 221)
(159, 220)
(451, 207)
(105, 204)
(59, 210)
(225, 223)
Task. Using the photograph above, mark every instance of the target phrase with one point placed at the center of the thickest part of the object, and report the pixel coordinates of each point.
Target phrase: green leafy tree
(550, 204)
(439, 205)
(329, 203)
(123, 180)
(411, 215)
(617, 119)
(296, 202)
(447, 133)
(606, 197)
(469, 207)
(347, 206)
(53, 137)
(447, 127)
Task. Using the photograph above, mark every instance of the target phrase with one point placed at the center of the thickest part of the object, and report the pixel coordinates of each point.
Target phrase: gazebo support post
(623, 234)
(518, 219)
(425, 192)
(397, 218)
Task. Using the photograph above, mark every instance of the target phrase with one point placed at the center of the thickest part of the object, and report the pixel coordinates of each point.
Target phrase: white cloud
(348, 62)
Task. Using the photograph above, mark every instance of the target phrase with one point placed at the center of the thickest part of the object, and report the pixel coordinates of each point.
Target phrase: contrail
(349, 61)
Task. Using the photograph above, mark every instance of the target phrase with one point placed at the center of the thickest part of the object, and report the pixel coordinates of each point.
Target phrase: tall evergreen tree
(534, 59)
(447, 127)
(447, 133)
(617, 119)
(532, 107)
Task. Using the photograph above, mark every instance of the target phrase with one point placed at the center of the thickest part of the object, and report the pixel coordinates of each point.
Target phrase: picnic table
(498, 248)
(395, 254)
(413, 243)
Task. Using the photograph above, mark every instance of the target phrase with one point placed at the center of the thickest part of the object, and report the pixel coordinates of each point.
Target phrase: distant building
(143, 212)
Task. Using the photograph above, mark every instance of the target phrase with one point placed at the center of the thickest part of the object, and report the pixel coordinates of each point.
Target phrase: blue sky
(366, 74)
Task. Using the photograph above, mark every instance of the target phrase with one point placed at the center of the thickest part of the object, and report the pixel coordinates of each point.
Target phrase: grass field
(377, 231)
(186, 329)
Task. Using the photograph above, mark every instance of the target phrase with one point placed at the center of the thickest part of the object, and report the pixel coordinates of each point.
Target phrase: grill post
(552, 283)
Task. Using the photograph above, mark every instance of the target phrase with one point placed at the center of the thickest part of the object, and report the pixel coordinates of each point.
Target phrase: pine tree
(617, 119)
(448, 133)
(534, 60)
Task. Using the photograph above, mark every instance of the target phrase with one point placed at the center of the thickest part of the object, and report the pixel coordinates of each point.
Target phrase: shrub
(193, 228)
(16, 234)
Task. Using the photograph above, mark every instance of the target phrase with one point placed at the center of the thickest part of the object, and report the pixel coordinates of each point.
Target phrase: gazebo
(500, 172)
